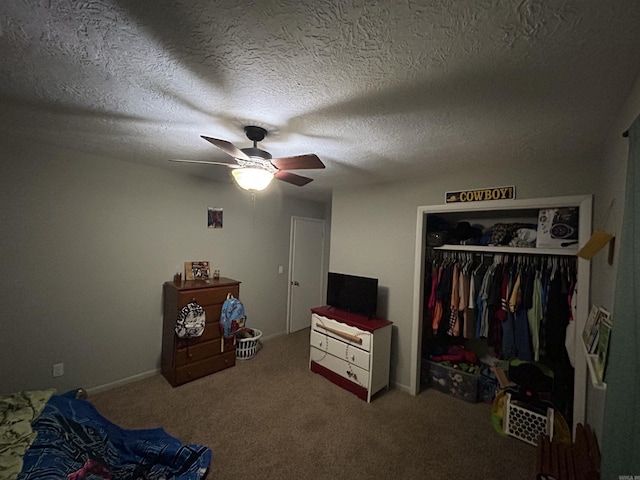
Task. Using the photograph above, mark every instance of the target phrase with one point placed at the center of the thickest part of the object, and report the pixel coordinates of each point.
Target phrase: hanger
(554, 267)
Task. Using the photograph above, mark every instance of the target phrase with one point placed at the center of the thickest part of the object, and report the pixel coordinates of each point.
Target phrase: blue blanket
(75, 442)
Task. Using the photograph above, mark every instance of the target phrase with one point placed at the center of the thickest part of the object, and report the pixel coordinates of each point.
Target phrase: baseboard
(124, 381)
(151, 373)
(402, 388)
(272, 336)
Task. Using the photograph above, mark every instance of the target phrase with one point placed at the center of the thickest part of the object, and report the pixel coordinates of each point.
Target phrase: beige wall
(87, 243)
(609, 192)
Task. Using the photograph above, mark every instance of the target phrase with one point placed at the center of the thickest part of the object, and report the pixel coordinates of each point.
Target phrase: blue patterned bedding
(75, 442)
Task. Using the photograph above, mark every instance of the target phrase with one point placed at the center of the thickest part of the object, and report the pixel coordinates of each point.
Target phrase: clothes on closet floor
(520, 304)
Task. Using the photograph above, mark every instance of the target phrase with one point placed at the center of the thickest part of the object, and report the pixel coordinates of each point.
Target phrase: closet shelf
(507, 249)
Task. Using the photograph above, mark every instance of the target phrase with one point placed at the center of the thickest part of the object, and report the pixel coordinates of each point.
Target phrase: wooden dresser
(184, 359)
(350, 350)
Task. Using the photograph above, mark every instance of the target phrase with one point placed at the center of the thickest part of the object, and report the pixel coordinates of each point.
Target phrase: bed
(43, 435)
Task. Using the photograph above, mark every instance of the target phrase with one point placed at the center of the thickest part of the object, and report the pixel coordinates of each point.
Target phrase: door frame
(295, 218)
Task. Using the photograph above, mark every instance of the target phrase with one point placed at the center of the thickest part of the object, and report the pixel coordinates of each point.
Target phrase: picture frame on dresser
(196, 270)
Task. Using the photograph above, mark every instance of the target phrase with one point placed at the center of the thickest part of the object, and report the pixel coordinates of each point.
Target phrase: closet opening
(515, 302)
(492, 308)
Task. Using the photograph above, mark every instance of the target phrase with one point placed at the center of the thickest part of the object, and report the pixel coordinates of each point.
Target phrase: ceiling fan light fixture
(256, 168)
(252, 179)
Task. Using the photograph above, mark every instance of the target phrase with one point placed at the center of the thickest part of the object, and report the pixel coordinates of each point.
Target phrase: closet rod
(489, 254)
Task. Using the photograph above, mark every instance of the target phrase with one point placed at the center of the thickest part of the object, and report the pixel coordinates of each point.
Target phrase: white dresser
(350, 350)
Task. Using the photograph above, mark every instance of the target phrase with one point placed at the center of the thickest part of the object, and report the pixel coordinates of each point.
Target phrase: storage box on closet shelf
(526, 422)
(247, 347)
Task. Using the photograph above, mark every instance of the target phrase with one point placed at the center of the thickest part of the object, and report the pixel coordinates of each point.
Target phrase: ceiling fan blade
(292, 178)
(299, 162)
(228, 148)
(229, 165)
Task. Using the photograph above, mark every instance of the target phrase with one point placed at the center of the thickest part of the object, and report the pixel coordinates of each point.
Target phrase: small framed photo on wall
(214, 217)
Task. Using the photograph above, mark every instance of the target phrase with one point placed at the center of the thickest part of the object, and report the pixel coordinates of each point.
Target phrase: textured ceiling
(380, 91)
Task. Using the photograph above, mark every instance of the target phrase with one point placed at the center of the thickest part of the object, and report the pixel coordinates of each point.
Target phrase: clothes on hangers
(521, 304)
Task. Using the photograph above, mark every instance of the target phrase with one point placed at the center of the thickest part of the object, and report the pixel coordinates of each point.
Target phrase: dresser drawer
(349, 371)
(211, 332)
(340, 349)
(209, 296)
(204, 367)
(212, 312)
(335, 329)
(194, 353)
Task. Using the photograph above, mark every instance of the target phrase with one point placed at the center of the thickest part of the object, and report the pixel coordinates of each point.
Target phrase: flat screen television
(352, 293)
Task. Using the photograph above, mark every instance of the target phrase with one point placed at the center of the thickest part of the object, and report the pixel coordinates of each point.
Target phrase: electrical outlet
(58, 369)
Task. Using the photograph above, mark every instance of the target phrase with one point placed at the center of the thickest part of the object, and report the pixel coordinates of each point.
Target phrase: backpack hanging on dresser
(232, 317)
(191, 321)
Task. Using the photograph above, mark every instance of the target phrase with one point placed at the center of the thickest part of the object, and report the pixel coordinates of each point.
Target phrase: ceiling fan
(254, 163)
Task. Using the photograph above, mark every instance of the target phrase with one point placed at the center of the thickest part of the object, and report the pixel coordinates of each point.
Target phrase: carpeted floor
(271, 418)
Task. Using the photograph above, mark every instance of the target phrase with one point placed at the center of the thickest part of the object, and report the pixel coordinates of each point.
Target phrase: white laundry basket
(525, 423)
(247, 348)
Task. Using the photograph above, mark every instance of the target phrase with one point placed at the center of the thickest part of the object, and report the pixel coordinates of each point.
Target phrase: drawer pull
(348, 336)
(320, 343)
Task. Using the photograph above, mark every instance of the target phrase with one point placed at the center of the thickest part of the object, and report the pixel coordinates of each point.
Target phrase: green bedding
(17, 411)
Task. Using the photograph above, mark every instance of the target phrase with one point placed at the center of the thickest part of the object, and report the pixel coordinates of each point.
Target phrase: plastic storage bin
(450, 380)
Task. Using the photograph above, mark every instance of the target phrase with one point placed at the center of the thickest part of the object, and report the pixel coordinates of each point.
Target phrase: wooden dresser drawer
(340, 366)
(206, 297)
(318, 323)
(211, 332)
(204, 367)
(194, 353)
(342, 350)
(212, 312)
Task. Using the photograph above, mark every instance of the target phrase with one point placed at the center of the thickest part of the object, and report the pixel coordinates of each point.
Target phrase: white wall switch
(280, 269)
(58, 369)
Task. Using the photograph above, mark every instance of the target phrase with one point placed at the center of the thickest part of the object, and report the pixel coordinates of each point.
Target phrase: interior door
(306, 273)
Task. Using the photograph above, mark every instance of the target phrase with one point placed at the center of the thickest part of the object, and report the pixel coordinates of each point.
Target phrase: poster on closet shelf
(557, 228)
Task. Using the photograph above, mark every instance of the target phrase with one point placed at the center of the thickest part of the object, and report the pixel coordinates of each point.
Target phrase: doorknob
(295, 284)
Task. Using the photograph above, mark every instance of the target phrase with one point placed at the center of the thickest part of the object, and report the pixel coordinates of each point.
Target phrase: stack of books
(595, 335)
